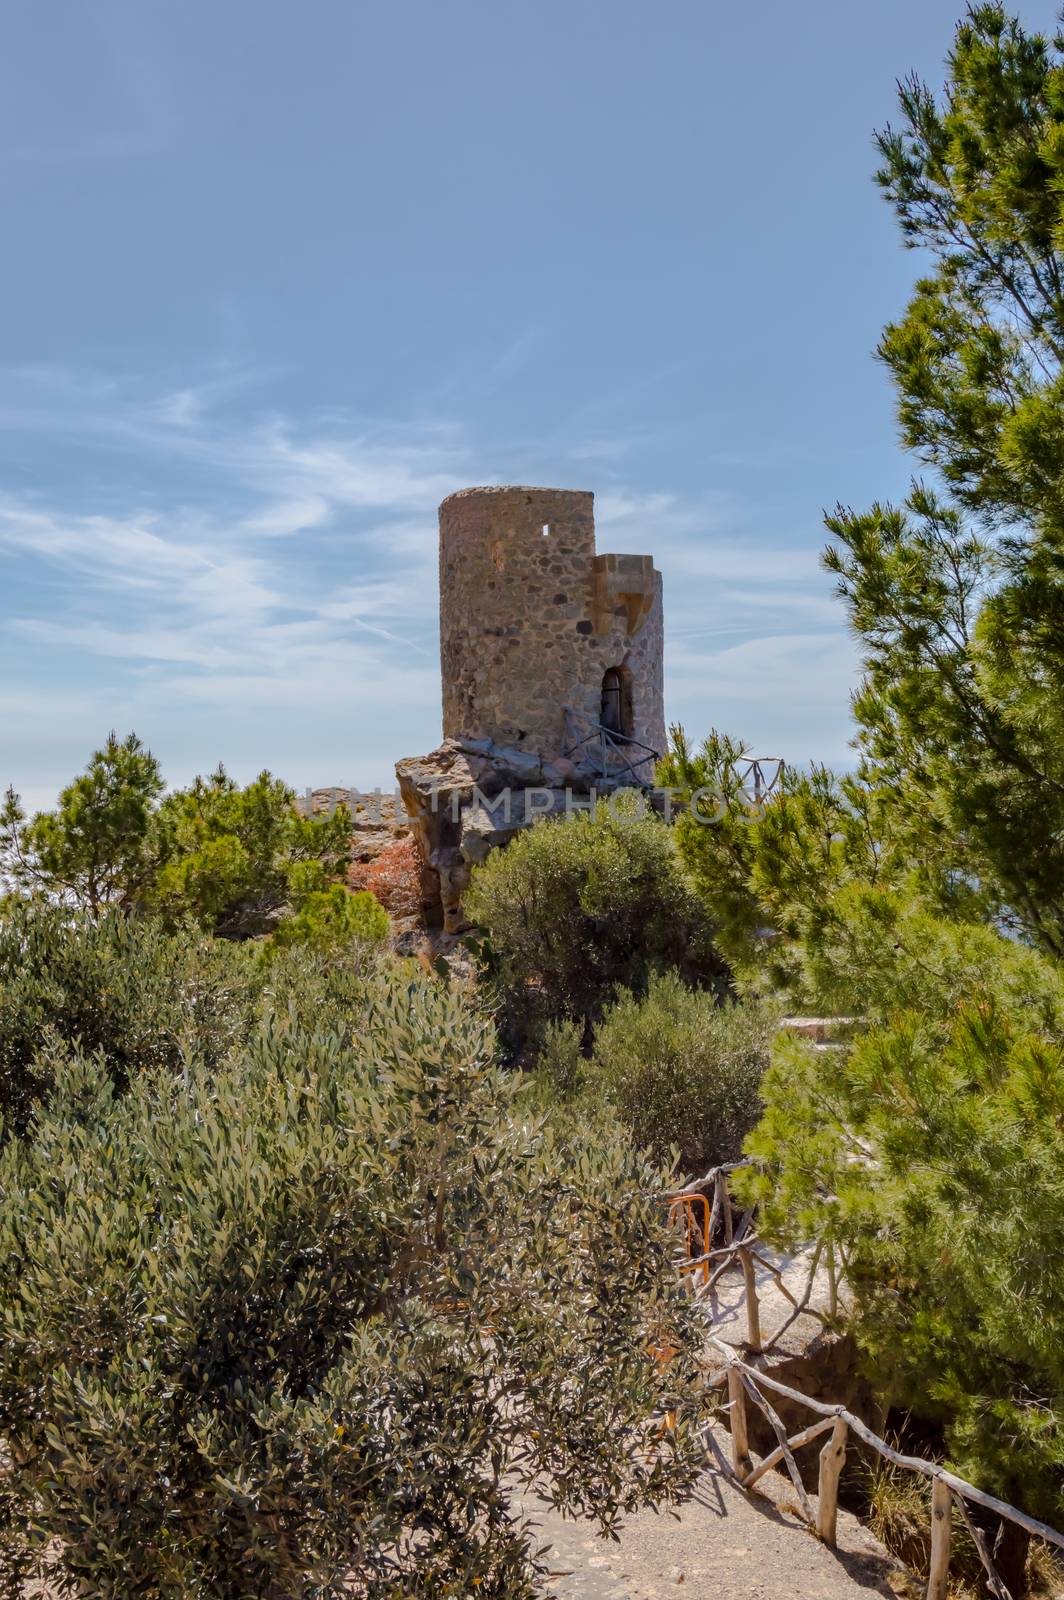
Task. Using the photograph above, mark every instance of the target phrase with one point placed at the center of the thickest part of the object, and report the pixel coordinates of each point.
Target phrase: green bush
(235, 861)
(243, 1319)
(333, 918)
(120, 988)
(577, 909)
(560, 1058)
(685, 1072)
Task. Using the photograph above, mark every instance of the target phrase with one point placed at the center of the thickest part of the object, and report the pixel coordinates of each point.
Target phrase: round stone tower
(540, 638)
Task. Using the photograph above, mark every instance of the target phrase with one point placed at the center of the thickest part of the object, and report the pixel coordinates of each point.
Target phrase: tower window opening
(546, 530)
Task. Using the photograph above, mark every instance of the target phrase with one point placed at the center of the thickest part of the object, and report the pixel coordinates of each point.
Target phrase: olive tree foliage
(138, 997)
(575, 909)
(309, 1319)
(122, 989)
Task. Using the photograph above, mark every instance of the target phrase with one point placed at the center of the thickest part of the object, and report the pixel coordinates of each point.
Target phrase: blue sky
(277, 278)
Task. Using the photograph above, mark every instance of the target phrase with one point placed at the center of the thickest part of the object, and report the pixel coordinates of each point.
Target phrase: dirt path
(726, 1545)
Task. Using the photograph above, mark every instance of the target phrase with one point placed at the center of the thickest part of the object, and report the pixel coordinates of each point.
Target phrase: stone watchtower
(552, 678)
(533, 623)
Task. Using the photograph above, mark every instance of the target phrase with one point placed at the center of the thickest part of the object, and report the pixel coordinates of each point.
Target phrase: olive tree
(307, 1321)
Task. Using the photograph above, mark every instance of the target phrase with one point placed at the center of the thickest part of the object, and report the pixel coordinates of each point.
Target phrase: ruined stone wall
(531, 618)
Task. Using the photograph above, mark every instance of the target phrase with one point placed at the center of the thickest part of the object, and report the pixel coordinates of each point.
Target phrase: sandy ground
(725, 1545)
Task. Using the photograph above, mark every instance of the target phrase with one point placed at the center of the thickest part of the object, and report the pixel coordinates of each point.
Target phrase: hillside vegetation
(311, 1257)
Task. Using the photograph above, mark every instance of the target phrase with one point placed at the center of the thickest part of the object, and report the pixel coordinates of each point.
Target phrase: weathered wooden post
(833, 1282)
(725, 1206)
(753, 1313)
(740, 1443)
(941, 1529)
(832, 1459)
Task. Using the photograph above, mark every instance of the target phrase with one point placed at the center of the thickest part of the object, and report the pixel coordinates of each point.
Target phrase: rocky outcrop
(470, 796)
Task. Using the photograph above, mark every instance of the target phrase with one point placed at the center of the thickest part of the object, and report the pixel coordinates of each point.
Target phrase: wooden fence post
(833, 1282)
(832, 1458)
(740, 1444)
(941, 1528)
(753, 1315)
(725, 1205)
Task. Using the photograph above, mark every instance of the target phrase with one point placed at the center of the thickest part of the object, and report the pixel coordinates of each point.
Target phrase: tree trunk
(1010, 1557)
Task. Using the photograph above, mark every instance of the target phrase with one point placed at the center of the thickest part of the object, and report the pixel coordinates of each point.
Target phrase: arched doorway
(615, 713)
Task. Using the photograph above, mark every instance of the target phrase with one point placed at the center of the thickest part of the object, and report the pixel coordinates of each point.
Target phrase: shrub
(95, 849)
(332, 918)
(560, 1059)
(236, 860)
(232, 860)
(685, 1072)
(122, 989)
(326, 989)
(242, 1319)
(576, 909)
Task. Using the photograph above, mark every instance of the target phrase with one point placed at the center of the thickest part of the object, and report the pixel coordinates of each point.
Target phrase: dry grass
(394, 877)
(899, 1514)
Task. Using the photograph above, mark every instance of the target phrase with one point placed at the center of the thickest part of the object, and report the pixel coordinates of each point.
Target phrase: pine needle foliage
(234, 860)
(332, 919)
(923, 895)
(957, 597)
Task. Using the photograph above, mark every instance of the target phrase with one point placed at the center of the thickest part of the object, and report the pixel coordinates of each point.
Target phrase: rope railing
(747, 1383)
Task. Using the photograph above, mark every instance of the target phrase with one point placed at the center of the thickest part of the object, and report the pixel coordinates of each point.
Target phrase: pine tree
(957, 598)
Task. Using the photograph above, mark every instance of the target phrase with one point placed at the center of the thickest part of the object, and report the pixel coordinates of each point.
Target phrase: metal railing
(759, 777)
(599, 744)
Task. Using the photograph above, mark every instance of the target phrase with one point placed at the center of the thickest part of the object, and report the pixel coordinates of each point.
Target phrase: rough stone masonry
(551, 659)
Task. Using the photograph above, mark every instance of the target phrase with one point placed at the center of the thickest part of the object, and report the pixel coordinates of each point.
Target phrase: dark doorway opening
(615, 714)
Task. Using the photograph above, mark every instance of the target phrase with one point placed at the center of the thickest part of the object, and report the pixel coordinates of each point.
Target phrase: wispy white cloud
(264, 589)
(785, 694)
(287, 581)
